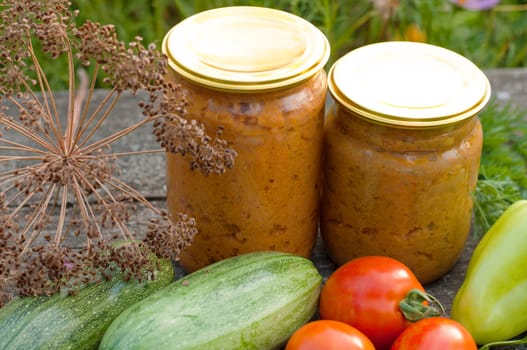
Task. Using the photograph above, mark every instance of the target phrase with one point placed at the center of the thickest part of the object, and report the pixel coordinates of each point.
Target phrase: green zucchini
(252, 301)
(73, 322)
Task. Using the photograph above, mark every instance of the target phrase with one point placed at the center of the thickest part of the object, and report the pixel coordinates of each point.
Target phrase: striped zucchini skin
(252, 301)
(73, 322)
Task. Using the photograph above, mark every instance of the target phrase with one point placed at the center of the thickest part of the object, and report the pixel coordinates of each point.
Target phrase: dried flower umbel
(57, 177)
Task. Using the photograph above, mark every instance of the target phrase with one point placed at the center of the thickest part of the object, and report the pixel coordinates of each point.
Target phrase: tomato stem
(418, 305)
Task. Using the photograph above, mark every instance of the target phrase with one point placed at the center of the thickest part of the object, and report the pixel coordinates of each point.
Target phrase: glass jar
(401, 156)
(258, 74)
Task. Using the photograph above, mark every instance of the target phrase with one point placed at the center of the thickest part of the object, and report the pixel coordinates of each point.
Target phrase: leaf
(503, 170)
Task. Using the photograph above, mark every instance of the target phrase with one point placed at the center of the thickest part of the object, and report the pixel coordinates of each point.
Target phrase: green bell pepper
(492, 301)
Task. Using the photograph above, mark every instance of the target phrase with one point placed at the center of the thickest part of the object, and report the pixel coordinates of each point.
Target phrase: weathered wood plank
(147, 172)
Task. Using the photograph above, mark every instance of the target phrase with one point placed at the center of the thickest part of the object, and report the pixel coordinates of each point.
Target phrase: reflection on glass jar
(271, 110)
(399, 173)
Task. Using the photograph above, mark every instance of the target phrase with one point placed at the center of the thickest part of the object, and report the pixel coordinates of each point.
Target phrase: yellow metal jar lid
(246, 48)
(408, 84)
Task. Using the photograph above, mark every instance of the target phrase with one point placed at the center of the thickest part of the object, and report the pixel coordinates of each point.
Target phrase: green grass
(503, 169)
(493, 38)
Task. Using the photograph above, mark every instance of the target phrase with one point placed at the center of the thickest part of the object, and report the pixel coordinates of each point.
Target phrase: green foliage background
(491, 38)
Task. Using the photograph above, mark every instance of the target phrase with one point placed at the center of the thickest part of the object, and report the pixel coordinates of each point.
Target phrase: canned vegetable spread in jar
(258, 74)
(402, 151)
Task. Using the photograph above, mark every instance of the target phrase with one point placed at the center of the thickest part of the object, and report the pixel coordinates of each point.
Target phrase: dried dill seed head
(179, 135)
(58, 178)
(161, 236)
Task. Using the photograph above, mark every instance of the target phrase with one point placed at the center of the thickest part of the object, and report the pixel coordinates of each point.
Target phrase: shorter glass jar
(258, 74)
(402, 151)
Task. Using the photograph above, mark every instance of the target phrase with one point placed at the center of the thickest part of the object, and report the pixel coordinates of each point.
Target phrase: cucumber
(73, 322)
(252, 301)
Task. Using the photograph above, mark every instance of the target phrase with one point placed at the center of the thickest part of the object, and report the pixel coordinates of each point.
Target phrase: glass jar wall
(257, 74)
(403, 193)
(401, 155)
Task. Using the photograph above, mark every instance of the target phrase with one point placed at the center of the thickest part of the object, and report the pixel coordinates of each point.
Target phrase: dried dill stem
(57, 177)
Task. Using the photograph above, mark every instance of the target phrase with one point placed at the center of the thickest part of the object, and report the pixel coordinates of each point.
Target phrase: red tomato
(328, 334)
(365, 293)
(435, 333)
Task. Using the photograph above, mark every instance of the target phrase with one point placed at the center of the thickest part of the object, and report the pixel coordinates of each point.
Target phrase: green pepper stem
(504, 342)
(418, 305)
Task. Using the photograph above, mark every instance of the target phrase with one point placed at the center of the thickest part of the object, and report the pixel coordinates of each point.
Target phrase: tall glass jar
(258, 74)
(402, 150)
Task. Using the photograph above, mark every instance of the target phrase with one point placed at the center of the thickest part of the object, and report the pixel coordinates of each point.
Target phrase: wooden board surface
(147, 172)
